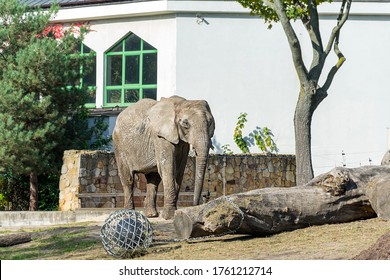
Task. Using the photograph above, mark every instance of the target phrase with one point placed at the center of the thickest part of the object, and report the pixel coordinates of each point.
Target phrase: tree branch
(313, 28)
(332, 73)
(342, 18)
(335, 36)
(3, 56)
(293, 41)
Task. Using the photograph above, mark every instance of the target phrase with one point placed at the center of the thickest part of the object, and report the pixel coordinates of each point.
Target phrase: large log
(337, 196)
(14, 239)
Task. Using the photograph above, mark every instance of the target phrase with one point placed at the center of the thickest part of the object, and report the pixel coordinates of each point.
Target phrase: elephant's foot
(151, 212)
(168, 212)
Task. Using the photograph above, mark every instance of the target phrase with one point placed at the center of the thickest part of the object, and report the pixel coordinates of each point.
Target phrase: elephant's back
(137, 109)
(132, 122)
(134, 114)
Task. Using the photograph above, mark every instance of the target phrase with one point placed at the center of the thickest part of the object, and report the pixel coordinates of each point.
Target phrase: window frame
(91, 53)
(140, 86)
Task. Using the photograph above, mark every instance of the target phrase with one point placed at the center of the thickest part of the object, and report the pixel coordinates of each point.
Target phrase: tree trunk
(302, 125)
(334, 197)
(33, 191)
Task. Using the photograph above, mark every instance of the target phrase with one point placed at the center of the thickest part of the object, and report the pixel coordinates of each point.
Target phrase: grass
(52, 243)
(82, 242)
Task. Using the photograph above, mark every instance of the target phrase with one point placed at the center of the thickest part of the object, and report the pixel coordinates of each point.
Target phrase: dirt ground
(330, 242)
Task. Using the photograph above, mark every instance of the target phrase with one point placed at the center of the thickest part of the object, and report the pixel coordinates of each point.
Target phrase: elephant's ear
(162, 120)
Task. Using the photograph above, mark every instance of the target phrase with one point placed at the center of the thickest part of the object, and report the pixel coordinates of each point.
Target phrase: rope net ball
(126, 232)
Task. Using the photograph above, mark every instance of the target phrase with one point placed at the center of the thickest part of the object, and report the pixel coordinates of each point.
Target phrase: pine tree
(39, 96)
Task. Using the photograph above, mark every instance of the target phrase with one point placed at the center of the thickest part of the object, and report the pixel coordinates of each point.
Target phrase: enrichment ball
(125, 232)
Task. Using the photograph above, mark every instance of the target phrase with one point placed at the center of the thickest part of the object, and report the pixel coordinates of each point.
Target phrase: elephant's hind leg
(127, 180)
(154, 180)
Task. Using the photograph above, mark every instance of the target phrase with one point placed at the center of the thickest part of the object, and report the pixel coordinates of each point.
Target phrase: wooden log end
(183, 225)
(7, 240)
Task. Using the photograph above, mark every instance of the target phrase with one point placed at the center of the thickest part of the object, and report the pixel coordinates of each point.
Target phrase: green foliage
(99, 141)
(15, 191)
(261, 137)
(261, 9)
(42, 109)
(3, 202)
(39, 96)
(295, 9)
(226, 149)
(237, 136)
(48, 192)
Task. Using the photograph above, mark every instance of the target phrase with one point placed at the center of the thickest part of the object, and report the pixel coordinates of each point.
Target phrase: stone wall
(89, 179)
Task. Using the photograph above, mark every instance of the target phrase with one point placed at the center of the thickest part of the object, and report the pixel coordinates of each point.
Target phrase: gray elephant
(153, 137)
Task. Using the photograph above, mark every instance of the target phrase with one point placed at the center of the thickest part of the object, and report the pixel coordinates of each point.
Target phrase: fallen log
(334, 197)
(7, 240)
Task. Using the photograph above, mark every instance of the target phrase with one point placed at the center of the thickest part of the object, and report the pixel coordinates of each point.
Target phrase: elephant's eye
(185, 123)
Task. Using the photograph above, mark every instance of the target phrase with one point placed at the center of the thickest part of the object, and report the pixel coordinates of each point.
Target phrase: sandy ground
(331, 242)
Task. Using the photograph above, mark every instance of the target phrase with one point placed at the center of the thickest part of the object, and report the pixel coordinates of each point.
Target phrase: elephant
(154, 137)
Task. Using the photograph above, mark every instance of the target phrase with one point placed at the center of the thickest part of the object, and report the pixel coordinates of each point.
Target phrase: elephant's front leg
(165, 154)
(153, 180)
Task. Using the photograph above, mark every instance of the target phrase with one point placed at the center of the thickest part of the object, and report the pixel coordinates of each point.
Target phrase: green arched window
(131, 72)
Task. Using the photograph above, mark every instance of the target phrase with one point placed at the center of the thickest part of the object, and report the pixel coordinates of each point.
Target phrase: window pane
(118, 47)
(131, 95)
(91, 96)
(77, 48)
(114, 70)
(149, 71)
(77, 82)
(132, 70)
(114, 96)
(86, 49)
(150, 93)
(89, 77)
(147, 46)
(132, 43)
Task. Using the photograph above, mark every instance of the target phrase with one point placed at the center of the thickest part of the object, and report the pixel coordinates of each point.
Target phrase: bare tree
(311, 92)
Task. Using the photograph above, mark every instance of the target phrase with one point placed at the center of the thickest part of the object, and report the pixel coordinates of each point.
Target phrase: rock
(378, 193)
(379, 251)
(386, 158)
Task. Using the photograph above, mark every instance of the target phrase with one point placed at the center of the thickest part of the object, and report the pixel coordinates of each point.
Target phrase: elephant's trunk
(202, 152)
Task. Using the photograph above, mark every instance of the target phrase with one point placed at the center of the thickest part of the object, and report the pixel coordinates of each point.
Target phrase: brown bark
(14, 239)
(334, 197)
(302, 125)
(33, 191)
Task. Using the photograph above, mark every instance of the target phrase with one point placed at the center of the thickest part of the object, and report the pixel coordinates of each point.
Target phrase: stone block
(113, 172)
(83, 172)
(64, 169)
(91, 188)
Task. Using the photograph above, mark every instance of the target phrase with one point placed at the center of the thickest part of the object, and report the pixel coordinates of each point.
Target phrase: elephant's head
(191, 121)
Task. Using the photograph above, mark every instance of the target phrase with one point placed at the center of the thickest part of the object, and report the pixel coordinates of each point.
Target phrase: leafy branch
(237, 136)
(261, 137)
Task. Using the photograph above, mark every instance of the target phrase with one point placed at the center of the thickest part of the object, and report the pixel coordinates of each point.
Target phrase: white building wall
(234, 62)
(355, 117)
(238, 65)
